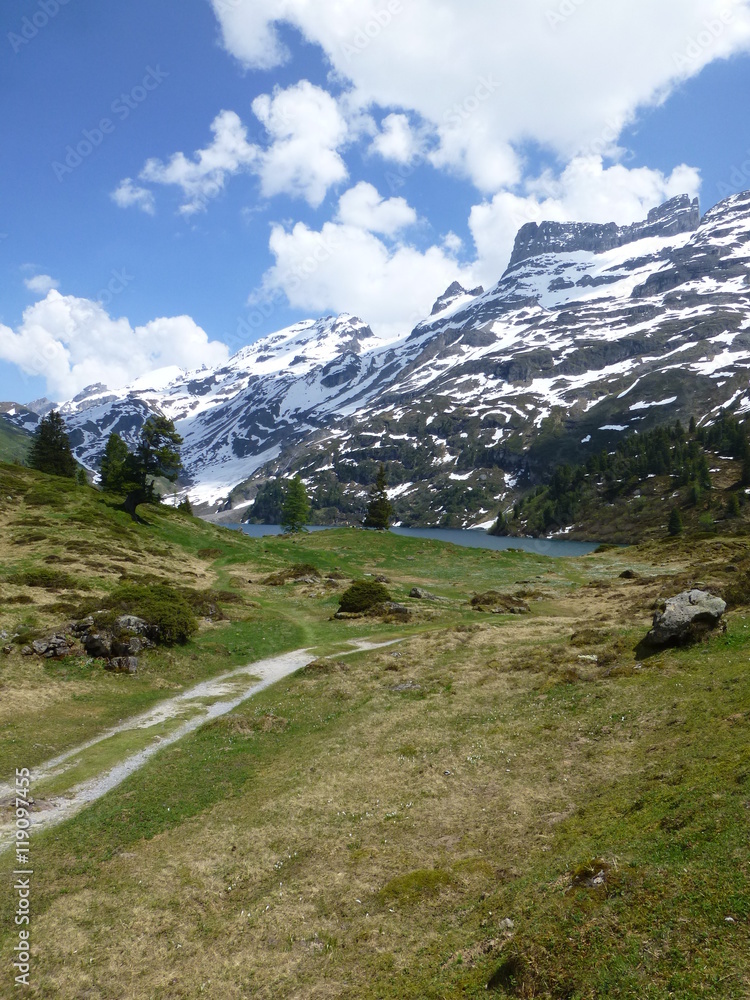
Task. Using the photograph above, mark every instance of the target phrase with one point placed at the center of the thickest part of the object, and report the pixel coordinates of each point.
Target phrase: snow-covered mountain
(592, 331)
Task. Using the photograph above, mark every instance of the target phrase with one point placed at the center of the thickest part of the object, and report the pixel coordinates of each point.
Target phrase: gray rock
(27, 651)
(82, 626)
(422, 595)
(40, 646)
(7, 650)
(685, 618)
(131, 623)
(122, 665)
(129, 647)
(98, 645)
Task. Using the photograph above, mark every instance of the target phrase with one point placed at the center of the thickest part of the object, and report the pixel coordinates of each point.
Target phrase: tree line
(133, 474)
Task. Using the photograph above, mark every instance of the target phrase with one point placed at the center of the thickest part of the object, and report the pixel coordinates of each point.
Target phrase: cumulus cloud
(129, 194)
(490, 77)
(40, 284)
(307, 130)
(586, 191)
(74, 342)
(398, 140)
(203, 177)
(348, 269)
(362, 206)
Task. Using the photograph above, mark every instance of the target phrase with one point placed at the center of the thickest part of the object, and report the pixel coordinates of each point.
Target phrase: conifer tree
(113, 464)
(50, 451)
(296, 508)
(156, 455)
(675, 522)
(379, 509)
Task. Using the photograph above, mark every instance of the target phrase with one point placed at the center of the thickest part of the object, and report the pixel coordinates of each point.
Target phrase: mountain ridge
(591, 331)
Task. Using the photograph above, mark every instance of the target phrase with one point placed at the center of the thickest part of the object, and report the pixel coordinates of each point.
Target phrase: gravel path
(207, 700)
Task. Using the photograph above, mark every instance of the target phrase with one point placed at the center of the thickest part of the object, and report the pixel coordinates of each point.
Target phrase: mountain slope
(592, 331)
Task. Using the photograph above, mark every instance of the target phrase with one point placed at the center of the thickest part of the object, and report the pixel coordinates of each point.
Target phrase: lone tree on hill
(379, 509)
(296, 508)
(675, 522)
(157, 455)
(50, 451)
(113, 464)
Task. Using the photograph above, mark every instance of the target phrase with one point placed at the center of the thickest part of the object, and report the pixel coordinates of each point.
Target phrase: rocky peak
(678, 215)
(449, 296)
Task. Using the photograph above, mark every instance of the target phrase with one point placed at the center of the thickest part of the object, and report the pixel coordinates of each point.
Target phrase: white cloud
(307, 129)
(40, 284)
(490, 77)
(347, 269)
(586, 191)
(74, 342)
(363, 207)
(129, 194)
(397, 140)
(203, 177)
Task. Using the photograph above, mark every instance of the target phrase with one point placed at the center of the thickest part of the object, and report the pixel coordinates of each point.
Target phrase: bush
(165, 610)
(363, 595)
(290, 574)
(50, 579)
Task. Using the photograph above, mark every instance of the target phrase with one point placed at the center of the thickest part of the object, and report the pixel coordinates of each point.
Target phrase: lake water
(475, 538)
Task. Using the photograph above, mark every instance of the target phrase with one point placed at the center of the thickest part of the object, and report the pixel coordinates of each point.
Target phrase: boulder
(685, 618)
(422, 595)
(129, 647)
(122, 665)
(131, 623)
(98, 645)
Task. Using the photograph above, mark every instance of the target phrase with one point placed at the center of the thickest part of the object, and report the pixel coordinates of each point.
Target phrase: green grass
(417, 821)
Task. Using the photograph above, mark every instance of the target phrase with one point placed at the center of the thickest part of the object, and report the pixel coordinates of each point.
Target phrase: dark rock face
(422, 595)
(97, 645)
(679, 215)
(685, 618)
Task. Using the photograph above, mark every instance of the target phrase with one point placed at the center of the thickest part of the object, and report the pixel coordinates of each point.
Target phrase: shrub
(50, 579)
(291, 573)
(165, 610)
(363, 595)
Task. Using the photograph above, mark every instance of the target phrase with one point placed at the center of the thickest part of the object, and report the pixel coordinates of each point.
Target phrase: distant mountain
(591, 332)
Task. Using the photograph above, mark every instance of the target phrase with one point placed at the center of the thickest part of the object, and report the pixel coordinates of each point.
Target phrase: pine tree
(113, 464)
(81, 478)
(379, 509)
(296, 507)
(156, 455)
(50, 451)
(733, 505)
(675, 522)
(185, 506)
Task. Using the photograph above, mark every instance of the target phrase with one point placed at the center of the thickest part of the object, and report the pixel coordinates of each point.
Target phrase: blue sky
(367, 179)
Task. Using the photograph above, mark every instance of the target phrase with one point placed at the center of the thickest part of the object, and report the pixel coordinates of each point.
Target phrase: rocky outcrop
(686, 618)
(679, 215)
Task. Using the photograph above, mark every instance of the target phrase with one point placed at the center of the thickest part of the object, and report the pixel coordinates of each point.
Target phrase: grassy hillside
(521, 801)
(14, 443)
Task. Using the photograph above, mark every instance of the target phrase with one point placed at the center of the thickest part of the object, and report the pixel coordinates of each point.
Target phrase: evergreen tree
(296, 507)
(675, 522)
(733, 505)
(184, 506)
(50, 450)
(81, 478)
(156, 455)
(113, 464)
(379, 509)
